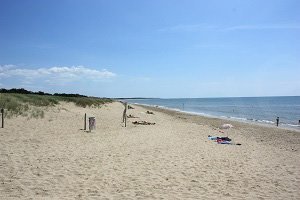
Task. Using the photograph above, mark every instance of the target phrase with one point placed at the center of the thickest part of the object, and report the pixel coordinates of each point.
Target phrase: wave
(241, 119)
(293, 125)
(266, 121)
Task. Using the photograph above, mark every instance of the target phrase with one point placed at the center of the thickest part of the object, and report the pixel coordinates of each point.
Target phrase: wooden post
(125, 114)
(2, 113)
(84, 121)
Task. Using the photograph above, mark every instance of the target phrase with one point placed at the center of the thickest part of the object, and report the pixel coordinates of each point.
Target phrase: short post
(277, 121)
(125, 114)
(84, 121)
(92, 123)
(2, 113)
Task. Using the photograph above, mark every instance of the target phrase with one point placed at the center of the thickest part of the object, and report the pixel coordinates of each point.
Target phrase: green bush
(19, 104)
(37, 113)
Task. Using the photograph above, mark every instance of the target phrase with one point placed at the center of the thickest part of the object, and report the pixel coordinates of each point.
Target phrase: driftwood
(143, 123)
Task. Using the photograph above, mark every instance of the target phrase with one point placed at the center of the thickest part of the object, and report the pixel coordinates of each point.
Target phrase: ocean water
(252, 109)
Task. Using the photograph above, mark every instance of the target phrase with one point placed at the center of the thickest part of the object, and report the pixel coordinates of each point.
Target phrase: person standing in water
(277, 121)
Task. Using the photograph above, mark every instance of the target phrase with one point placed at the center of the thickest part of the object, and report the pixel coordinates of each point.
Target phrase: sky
(157, 48)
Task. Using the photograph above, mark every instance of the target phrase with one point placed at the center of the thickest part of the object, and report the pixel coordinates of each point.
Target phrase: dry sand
(52, 158)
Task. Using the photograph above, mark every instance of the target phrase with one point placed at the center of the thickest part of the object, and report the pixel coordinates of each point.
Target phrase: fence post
(125, 114)
(2, 113)
(84, 121)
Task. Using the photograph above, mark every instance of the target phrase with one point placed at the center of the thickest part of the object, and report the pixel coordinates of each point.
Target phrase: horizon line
(202, 97)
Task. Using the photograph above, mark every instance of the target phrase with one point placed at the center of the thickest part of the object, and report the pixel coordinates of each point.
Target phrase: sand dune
(53, 158)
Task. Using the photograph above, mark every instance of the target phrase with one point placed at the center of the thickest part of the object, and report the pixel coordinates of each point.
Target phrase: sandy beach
(53, 158)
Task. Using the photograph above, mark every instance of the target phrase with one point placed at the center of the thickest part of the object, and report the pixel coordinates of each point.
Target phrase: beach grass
(32, 105)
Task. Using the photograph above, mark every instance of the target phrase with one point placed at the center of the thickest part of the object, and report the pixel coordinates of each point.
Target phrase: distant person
(277, 121)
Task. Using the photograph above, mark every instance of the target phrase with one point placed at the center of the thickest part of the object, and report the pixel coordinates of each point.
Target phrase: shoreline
(228, 119)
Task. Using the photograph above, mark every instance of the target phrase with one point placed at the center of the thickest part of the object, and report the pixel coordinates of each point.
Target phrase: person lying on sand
(149, 112)
(143, 123)
(130, 107)
(131, 116)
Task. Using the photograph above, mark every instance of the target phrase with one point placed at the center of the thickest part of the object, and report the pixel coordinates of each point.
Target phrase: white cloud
(4, 69)
(187, 28)
(54, 75)
(262, 27)
(205, 27)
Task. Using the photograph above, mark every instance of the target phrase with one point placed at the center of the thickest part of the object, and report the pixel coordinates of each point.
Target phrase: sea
(263, 110)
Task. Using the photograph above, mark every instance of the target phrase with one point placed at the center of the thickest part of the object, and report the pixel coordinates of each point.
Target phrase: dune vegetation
(33, 105)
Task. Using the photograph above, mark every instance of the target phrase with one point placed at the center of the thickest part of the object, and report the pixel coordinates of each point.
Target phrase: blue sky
(158, 48)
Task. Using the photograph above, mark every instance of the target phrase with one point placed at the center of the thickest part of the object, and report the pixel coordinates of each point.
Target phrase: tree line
(24, 91)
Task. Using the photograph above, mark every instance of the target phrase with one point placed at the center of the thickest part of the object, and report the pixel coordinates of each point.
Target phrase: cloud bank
(53, 75)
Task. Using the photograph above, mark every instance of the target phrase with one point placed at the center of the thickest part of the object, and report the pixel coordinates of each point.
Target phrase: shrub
(20, 104)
